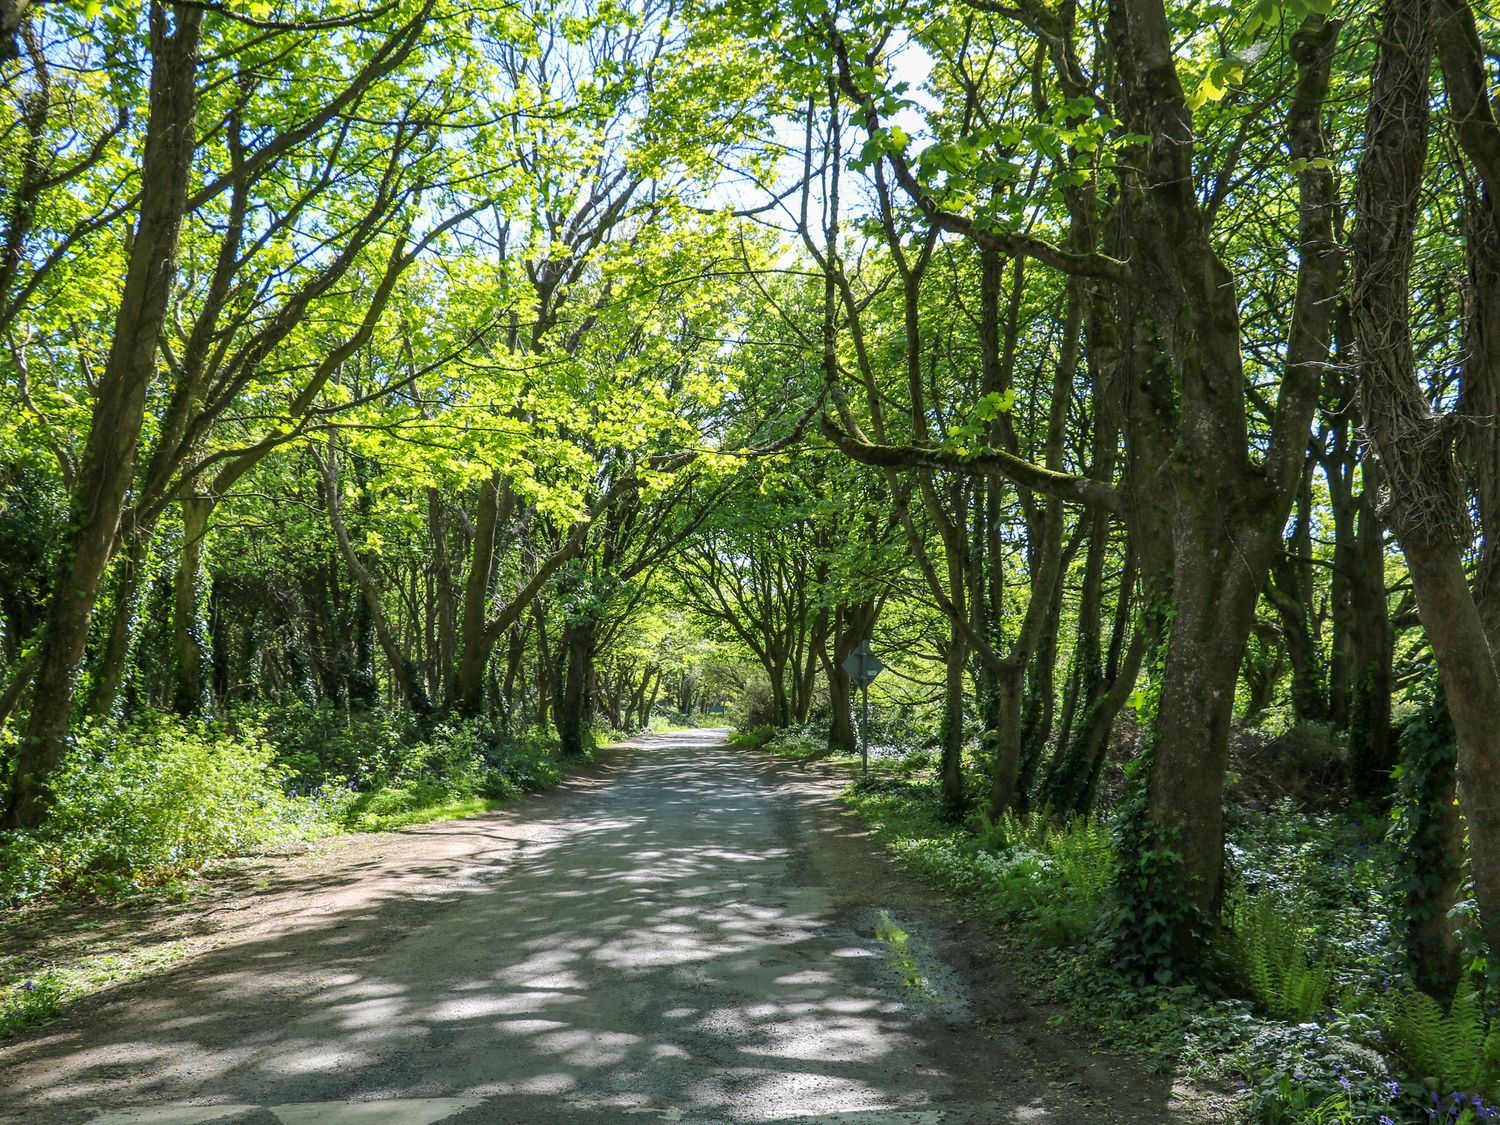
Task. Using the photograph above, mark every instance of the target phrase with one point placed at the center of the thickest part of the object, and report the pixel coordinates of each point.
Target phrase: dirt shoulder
(115, 947)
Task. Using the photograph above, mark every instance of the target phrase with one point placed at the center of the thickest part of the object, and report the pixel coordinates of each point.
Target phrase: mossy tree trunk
(108, 461)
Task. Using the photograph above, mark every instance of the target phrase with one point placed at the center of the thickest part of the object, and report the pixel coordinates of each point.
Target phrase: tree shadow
(677, 946)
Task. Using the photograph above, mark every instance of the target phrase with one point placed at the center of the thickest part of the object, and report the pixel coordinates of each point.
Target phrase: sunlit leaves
(1216, 81)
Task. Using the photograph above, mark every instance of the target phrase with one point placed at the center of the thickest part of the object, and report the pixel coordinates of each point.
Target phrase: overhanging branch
(986, 461)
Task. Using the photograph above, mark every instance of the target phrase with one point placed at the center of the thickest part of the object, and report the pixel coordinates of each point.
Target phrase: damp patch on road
(909, 959)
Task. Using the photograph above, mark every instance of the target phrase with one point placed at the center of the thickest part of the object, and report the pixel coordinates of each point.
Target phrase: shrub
(753, 738)
(455, 770)
(319, 743)
(756, 706)
(1306, 765)
(153, 802)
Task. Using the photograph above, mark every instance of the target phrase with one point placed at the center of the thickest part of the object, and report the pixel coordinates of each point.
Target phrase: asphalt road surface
(688, 933)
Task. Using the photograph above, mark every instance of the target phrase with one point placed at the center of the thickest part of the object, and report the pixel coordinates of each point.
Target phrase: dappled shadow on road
(668, 945)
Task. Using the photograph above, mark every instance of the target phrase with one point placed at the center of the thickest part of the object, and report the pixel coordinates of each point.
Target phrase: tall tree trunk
(1226, 510)
(545, 666)
(852, 626)
(1372, 742)
(190, 685)
(515, 653)
(405, 677)
(1040, 697)
(1290, 592)
(220, 652)
(467, 696)
(1072, 782)
(442, 582)
(1213, 604)
(108, 460)
(117, 653)
(1430, 860)
(1006, 685)
(842, 738)
(1425, 502)
(573, 709)
(955, 680)
(1359, 680)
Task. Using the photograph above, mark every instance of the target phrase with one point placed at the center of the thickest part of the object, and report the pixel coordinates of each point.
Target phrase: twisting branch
(987, 461)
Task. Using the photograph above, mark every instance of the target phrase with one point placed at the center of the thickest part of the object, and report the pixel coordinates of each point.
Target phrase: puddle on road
(910, 967)
(901, 959)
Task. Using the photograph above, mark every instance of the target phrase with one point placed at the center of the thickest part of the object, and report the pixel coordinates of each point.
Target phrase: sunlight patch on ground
(403, 1111)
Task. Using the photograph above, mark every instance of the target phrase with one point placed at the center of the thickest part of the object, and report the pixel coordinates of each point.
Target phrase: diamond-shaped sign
(863, 665)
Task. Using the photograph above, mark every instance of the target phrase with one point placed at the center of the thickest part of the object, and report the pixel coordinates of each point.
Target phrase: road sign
(863, 665)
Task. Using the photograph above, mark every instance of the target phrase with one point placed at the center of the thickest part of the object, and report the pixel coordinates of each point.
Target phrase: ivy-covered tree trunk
(1006, 688)
(1213, 604)
(116, 653)
(852, 625)
(467, 696)
(1430, 850)
(955, 681)
(1360, 670)
(445, 640)
(842, 738)
(360, 685)
(573, 704)
(220, 648)
(1226, 511)
(1290, 591)
(108, 460)
(515, 654)
(190, 683)
(1425, 501)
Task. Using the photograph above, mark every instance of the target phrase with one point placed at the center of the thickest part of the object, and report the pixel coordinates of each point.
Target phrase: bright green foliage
(457, 770)
(571, 255)
(153, 803)
(1457, 1049)
(1275, 949)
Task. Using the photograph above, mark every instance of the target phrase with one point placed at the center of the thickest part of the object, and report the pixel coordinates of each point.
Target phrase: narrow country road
(687, 934)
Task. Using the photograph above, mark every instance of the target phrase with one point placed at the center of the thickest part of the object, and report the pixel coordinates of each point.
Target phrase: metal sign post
(863, 666)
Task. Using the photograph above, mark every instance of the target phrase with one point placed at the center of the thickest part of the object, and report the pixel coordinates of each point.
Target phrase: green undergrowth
(754, 738)
(795, 744)
(148, 812)
(148, 806)
(1303, 1011)
(36, 998)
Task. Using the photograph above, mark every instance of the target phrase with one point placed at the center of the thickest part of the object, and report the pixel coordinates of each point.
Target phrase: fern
(1277, 958)
(1081, 849)
(1086, 856)
(1456, 1049)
